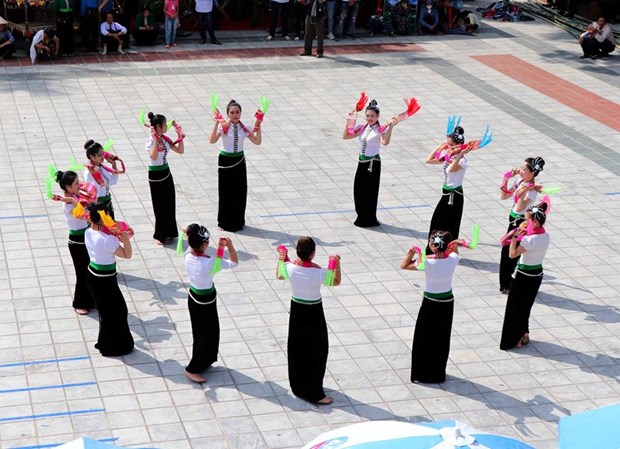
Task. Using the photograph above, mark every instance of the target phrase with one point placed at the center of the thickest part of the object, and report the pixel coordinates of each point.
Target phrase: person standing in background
(204, 9)
(64, 26)
(279, 8)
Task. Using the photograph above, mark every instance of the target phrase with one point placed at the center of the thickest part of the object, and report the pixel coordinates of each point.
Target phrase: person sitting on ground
(429, 18)
(145, 30)
(44, 44)
(598, 41)
(7, 41)
(465, 22)
(112, 35)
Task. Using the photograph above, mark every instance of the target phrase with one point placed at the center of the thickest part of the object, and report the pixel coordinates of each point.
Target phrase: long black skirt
(506, 264)
(366, 193)
(205, 330)
(82, 296)
(307, 348)
(448, 213)
(114, 336)
(431, 341)
(233, 192)
(519, 306)
(163, 198)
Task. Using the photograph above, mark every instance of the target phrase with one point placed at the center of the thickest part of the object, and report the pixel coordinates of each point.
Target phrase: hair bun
(373, 103)
(59, 176)
(88, 143)
(540, 162)
(150, 115)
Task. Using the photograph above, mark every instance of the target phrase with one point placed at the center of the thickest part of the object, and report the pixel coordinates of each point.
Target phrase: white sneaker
(269, 38)
(296, 38)
(331, 36)
(105, 50)
(121, 51)
(287, 38)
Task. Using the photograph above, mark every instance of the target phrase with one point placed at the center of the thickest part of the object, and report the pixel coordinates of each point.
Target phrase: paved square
(54, 386)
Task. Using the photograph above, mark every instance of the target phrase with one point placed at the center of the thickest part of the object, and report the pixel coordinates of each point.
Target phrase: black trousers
(7, 51)
(317, 28)
(205, 21)
(90, 30)
(64, 28)
(279, 9)
(592, 47)
(145, 37)
(111, 42)
(205, 330)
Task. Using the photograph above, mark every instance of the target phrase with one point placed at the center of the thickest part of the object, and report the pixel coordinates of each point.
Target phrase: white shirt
(306, 281)
(199, 270)
(531, 195)
(162, 156)
(370, 140)
(106, 27)
(280, 1)
(206, 5)
(439, 273)
(74, 223)
(35, 40)
(536, 247)
(101, 247)
(454, 179)
(605, 34)
(232, 141)
(110, 180)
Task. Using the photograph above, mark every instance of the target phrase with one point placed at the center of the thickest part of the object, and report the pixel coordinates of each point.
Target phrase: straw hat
(3, 21)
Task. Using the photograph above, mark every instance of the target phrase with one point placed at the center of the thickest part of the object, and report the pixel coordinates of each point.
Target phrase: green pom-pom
(551, 190)
(73, 164)
(282, 272)
(422, 263)
(52, 170)
(48, 188)
(264, 104)
(329, 278)
(475, 234)
(217, 266)
(141, 116)
(214, 101)
(180, 243)
(109, 144)
(170, 123)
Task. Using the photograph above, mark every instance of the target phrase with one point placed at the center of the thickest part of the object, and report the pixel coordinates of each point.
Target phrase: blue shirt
(5, 35)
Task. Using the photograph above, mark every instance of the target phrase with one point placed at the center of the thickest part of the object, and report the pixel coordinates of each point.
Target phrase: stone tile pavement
(54, 386)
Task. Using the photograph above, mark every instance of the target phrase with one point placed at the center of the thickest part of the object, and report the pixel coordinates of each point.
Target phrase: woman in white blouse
(433, 327)
(161, 182)
(99, 175)
(308, 342)
(83, 300)
(368, 175)
(529, 248)
(524, 192)
(201, 300)
(449, 210)
(114, 338)
(232, 171)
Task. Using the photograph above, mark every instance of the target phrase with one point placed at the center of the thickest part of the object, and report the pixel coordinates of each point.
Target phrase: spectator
(171, 13)
(348, 16)
(315, 24)
(64, 25)
(598, 41)
(204, 9)
(89, 11)
(45, 43)
(145, 31)
(331, 13)
(465, 22)
(400, 17)
(7, 41)
(279, 8)
(112, 35)
(429, 19)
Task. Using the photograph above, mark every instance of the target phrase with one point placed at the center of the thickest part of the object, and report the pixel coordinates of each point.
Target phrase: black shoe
(604, 55)
(594, 57)
(303, 53)
(216, 42)
(319, 55)
(352, 37)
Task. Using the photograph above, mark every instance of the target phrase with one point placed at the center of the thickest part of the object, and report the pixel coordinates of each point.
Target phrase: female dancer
(449, 210)
(160, 178)
(524, 193)
(83, 300)
(201, 300)
(531, 252)
(103, 248)
(433, 328)
(368, 174)
(308, 344)
(232, 172)
(99, 175)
